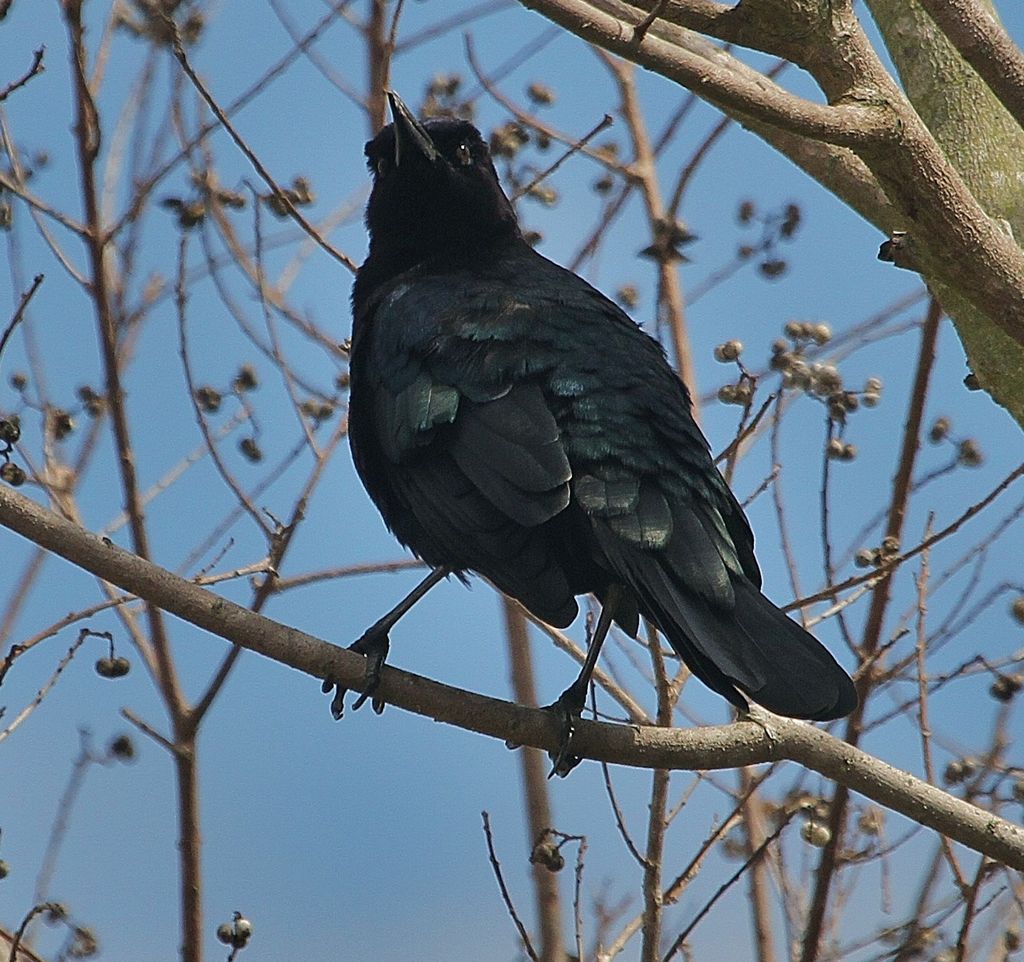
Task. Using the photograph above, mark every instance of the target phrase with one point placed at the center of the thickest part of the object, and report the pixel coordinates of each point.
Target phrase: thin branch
(602, 124)
(505, 896)
(20, 312)
(45, 690)
(181, 303)
(754, 858)
(179, 52)
(920, 649)
(889, 566)
(36, 68)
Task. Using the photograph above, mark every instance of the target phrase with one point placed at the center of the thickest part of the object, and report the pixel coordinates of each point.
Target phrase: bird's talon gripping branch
(374, 644)
(567, 709)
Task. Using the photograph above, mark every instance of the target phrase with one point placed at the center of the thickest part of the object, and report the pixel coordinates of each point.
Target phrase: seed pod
(939, 430)
(250, 450)
(208, 399)
(540, 94)
(12, 474)
(970, 453)
(628, 295)
(865, 558)
(1005, 687)
(728, 351)
(815, 833)
(821, 334)
(546, 853)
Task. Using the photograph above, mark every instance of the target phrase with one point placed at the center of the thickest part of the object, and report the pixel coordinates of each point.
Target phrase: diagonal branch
(708, 747)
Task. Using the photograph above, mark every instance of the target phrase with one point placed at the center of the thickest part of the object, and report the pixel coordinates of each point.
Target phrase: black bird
(507, 418)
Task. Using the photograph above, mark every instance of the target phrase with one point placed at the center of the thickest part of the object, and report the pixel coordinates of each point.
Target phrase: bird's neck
(397, 255)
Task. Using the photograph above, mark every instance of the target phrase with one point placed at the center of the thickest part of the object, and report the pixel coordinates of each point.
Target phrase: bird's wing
(470, 462)
(445, 377)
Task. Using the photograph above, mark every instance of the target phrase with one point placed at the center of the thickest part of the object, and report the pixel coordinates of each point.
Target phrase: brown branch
(957, 243)
(671, 303)
(535, 788)
(37, 67)
(505, 896)
(87, 142)
(657, 814)
(640, 746)
(20, 312)
(603, 24)
(828, 863)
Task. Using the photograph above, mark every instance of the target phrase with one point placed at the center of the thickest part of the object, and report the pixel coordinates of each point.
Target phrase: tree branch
(986, 46)
(709, 747)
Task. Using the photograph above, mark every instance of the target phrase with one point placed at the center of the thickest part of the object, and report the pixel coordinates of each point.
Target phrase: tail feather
(748, 648)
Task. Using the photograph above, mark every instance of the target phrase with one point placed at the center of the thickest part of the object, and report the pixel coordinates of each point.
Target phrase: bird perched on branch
(508, 419)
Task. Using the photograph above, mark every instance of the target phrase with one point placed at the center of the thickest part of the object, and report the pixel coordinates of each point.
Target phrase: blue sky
(362, 839)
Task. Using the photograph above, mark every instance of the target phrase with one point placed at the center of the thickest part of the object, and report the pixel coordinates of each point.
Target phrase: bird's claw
(567, 710)
(374, 644)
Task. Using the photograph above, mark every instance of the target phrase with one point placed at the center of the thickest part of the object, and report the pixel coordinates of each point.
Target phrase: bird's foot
(762, 718)
(567, 709)
(374, 644)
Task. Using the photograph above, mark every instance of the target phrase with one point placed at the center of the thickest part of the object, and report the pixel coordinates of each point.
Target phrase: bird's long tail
(750, 648)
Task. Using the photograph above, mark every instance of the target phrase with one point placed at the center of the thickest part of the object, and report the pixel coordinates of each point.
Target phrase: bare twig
(752, 860)
(887, 567)
(19, 313)
(920, 649)
(506, 897)
(36, 68)
(602, 124)
(281, 195)
(45, 690)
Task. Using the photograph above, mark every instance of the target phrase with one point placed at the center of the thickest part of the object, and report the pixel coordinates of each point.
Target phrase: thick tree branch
(710, 747)
(609, 24)
(986, 46)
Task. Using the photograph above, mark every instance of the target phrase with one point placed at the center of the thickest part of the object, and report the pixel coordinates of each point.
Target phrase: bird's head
(434, 187)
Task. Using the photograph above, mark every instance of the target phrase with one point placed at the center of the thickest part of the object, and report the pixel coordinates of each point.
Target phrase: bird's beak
(411, 136)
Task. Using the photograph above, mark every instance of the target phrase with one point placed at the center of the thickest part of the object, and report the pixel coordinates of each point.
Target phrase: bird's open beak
(411, 136)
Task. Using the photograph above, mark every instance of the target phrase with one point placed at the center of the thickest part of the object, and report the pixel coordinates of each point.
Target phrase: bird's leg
(374, 644)
(569, 705)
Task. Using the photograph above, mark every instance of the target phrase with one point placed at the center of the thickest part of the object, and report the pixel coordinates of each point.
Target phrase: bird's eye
(463, 157)
(383, 165)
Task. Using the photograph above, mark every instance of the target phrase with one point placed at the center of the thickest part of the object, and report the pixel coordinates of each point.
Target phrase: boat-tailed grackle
(508, 419)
